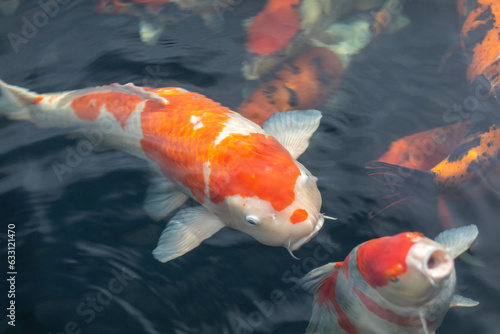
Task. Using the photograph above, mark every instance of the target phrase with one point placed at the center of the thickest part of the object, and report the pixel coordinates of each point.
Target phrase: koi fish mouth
(437, 265)
(292, 246)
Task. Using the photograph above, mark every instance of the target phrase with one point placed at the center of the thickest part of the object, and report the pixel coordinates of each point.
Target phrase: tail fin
(15, 101)
(403, 184)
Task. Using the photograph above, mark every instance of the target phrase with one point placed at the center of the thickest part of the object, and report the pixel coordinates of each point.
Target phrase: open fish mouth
(437, 265)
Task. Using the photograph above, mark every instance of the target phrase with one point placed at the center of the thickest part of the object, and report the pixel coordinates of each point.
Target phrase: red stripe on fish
(384, 258)
(120, 105)
(386, 314)
(327, 294)
(253, 156)
(345, 266)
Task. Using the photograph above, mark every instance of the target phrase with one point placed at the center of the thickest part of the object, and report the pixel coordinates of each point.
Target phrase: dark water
(83, 245)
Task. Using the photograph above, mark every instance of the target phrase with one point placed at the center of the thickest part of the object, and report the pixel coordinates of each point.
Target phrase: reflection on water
(84, 243)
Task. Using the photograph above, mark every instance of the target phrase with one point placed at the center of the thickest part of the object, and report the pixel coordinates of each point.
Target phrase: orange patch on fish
(298, 216)
(424, 150)
(273, 28)
(452, 173)
(485, 53)
(170, 138)
(120, 105)
(382, 259)
(303, 83)
(253, 165)
(37, 99)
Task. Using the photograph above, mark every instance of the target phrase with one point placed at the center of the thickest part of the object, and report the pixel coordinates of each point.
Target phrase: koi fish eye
(252, 220)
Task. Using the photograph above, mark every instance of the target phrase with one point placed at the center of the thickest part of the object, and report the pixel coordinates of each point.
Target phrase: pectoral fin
(324, 319)
(162, 198)
(293, 129)
(458, 240)
(187, 229)
(461, 301)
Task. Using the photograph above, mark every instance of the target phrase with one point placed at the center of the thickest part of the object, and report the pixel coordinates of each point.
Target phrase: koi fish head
(290, 227)
(406, 269)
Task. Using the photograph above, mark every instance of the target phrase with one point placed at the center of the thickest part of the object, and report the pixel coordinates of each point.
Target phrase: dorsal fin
(129, 88)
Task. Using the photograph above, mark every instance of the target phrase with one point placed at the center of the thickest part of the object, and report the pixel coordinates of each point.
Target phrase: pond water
(83, 243)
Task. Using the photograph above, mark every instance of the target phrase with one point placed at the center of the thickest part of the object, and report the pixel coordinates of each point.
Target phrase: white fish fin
(246, 23)
(323, 321)
(293, 129)
(150, 31)
(458, 240)
(472, 260)
(162, 198)
(316, 277)
(187, 229)
(15, 101)
(129, 88)
(461, 301)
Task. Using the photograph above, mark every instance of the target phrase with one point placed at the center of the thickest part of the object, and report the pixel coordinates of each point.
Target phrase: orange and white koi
(399, 284)
(478, 153)
(243, 175)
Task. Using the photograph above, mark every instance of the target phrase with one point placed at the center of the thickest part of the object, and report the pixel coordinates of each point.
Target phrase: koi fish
(423, 151)
(282, 28)
(399, 284)
(303, 83)
(243, 175)
(310, 79)
(480, 39)
(426, 149)
(478, 153)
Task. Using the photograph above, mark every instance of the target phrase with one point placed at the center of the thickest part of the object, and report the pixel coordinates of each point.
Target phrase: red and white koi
(399, 284)
(244, 176)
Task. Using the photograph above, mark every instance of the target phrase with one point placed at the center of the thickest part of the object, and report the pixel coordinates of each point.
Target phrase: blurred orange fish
(303, 83)
(426, 149)
(479, 152)
(273, 28)
(282, 28)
